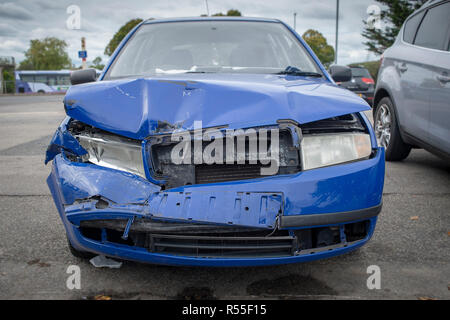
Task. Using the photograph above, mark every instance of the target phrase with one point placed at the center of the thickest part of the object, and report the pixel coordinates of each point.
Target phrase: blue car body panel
(136, 107)
(327, 190)
(144, 107)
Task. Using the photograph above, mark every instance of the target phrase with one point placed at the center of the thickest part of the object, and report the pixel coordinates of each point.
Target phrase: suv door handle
(402, 67)
(443, 78)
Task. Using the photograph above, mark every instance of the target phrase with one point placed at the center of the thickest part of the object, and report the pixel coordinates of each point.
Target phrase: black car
(361, 83)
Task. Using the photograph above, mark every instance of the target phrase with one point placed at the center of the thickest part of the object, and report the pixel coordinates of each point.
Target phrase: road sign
(82, 54)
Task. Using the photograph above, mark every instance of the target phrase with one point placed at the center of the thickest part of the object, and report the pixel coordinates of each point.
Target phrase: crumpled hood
(137, 108)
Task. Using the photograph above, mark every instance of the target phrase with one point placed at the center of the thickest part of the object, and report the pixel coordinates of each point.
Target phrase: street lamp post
(337, 32)
(207, 8)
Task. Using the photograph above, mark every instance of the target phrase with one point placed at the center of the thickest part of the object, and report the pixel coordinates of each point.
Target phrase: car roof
(216, 18)
(429, 3)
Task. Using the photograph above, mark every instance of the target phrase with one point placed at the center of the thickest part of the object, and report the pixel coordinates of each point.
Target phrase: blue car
(215, 142)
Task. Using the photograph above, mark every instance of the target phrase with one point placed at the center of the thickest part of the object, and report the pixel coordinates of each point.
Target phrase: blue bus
(40, 81)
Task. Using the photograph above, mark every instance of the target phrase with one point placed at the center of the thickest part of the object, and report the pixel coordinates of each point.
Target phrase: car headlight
(113, 152)
(323, 150)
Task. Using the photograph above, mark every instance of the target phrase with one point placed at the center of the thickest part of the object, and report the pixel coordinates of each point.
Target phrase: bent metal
(191, 147)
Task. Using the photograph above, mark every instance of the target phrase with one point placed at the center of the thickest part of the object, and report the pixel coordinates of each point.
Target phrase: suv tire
(387, 131)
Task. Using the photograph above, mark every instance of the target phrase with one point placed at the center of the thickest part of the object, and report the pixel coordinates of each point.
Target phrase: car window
(41, 78)
(411, 27)
(360, 73)
(27, 78)
(211, 46)
(432, 32)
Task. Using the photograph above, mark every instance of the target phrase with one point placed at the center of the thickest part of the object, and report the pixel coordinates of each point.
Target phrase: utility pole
(207, 7)
(1, 80)
(83, 48)
(337, 33)
(295, 21)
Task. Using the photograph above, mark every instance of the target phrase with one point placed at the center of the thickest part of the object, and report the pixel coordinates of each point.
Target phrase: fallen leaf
(426, 298)
(30, 263)
(43, 264)
(448, 233)
(102, 297)
(415, 218)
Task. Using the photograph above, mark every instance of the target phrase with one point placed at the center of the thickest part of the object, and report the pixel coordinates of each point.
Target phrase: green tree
(320, 46)
(230, 13)
(392, 15)
(117, 38)
(97, 64)
(10, 83)
(47, 54)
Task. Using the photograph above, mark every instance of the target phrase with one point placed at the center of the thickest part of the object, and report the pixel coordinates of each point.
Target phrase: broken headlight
(321, 150)
(114, 152)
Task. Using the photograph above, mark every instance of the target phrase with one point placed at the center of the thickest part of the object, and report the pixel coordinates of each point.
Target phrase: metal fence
(7, 86)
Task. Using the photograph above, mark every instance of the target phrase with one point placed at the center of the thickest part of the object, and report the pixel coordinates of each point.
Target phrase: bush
(9, 81)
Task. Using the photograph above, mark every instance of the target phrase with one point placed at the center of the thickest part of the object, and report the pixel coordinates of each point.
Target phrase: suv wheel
(388, 133)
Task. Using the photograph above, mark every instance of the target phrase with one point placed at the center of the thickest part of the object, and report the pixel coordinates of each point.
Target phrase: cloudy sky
(23, 20)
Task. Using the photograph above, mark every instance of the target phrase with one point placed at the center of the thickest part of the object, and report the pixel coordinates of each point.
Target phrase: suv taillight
(368, 80)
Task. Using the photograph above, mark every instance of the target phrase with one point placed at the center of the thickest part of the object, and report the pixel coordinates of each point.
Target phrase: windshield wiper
(294, 71)
(197, 72)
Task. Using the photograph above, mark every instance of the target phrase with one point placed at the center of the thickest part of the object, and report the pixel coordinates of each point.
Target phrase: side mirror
(83, 76)
(341, 73)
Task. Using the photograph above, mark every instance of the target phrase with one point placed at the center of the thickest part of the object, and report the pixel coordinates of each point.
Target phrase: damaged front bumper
(273, 220)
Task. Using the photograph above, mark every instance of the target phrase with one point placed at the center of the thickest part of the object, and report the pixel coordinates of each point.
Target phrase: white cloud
(11, 11)
(101, 19)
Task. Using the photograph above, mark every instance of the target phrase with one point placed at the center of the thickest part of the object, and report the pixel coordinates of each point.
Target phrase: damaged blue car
(215, 142)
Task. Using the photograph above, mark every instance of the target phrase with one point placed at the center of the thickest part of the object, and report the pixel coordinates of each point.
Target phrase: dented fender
(63, 140)
(78, 181)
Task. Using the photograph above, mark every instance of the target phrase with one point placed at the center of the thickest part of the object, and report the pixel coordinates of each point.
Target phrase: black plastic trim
(311, 220)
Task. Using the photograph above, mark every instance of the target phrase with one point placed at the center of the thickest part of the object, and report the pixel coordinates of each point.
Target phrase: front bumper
(331, 197)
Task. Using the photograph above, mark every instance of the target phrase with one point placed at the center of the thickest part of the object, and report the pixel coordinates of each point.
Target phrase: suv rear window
(433, 30)
(360, 73)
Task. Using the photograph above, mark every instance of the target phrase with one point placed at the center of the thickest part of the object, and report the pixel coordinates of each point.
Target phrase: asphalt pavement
(410, 244)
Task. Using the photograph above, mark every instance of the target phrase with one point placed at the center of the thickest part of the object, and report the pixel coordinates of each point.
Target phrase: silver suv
(412, 97)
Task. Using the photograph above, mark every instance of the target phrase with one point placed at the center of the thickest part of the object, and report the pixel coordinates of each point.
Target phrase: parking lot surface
(410, 245)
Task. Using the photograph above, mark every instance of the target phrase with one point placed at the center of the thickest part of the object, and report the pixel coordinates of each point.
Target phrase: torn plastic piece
(104, 262)
(252, 209)
(127, 228)
(63, 140)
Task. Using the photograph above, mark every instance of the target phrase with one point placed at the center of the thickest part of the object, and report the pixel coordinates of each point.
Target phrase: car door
(432, 40)
(414, 73)
(439, 128)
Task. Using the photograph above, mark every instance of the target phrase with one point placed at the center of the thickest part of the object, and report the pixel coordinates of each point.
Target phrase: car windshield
(211, 46)
(360, 73)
